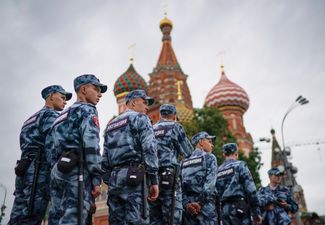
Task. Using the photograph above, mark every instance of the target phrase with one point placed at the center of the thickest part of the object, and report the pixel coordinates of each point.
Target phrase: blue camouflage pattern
(201, 135)
(126, 136)
(54, 89)
(32, 138)
(172, 145)
(88, 79)
(235, 182)
(76, 128)
(278, 215)
(229, 148)
(198, 180)
(139, 93)
(274, 171)
(167, 109)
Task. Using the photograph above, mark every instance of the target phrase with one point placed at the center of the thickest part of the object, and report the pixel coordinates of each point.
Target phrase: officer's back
(237, 189)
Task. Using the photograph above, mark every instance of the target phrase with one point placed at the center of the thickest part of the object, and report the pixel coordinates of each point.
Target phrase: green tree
(213, 122)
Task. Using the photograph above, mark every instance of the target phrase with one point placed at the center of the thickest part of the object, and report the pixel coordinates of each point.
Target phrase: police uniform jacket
(35, 130)
(127, 137)
(235, 182)
(77, 128)
(171, 143)
(199, 177)
(269, 195)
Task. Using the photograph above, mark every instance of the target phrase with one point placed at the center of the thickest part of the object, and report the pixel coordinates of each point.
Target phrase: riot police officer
(129, 158)
(74, 138)
(31, 188)
(276, 200)
(172, 144)
(199, 182)
(237, 190)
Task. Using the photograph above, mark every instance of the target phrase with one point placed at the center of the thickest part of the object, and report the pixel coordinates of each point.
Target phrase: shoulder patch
(61, 118)
(95, 120)
(31, 120)
(117, 124)
(226, 172)
(192, 162)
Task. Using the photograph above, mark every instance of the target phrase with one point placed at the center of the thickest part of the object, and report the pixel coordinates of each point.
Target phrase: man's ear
(200, 142)
(132, 102)
(82, 89)
(50, 97)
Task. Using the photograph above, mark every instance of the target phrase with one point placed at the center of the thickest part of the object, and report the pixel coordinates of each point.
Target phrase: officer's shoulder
(86, 108)
(241, 163)
(210, 156)
(50, 112)
(283, 188)
(178, 125)
(141, 116)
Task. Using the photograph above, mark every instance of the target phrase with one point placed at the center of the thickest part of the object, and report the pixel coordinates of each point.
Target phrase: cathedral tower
(167, 82)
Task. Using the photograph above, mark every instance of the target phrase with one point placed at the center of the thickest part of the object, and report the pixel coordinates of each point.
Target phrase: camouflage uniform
(199, 184)
(127, 137)
(269, 195)
(237, 190)
(172, 144)
(32, 139)
(76, 129)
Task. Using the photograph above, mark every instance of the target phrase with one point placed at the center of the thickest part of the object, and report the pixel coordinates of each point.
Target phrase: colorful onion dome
(227, 93)
(129, 81)
(184, 114)
(165, 22)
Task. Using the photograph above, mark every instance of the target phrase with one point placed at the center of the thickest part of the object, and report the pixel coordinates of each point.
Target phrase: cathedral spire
(167, 82)
(167, 55)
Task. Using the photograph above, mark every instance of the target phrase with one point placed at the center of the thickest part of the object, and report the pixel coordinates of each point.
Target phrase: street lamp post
(3, 207)
(288, 167)
(299, 101)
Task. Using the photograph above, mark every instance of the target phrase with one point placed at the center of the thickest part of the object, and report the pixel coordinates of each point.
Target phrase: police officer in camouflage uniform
(32, 141)
(199, 182)
(130, 151)
(172, 144)
(276, 200)
(75, 130)
(237, 190)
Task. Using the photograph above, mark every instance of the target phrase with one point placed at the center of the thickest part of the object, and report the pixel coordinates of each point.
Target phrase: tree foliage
(213, 122)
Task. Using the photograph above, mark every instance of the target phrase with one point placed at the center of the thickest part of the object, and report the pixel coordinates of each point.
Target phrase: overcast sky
(274, 49)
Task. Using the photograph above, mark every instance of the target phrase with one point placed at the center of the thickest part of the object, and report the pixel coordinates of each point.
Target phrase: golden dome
(165, 21)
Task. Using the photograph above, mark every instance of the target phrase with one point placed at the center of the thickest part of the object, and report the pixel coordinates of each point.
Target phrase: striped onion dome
(227, 93)
(129, 81)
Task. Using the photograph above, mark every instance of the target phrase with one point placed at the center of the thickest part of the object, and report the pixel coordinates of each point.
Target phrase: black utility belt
(128, 164)
(135, 175)
(23, 164)
(231, 200)
(68, 161)
(166, 177)
(241, 206)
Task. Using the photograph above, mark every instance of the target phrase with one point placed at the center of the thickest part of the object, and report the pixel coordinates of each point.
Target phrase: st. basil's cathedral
(168, 84)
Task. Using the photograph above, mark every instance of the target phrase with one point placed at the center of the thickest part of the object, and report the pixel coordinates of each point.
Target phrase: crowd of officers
(155, 174)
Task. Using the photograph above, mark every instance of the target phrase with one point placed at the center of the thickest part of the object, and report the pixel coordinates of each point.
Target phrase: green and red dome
(129, 81)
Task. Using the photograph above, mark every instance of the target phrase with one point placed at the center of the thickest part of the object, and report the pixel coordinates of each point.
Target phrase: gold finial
(220, 55)
(179, 90)
(131, 48)
(222, 68)
(165, 20)
(165, 6)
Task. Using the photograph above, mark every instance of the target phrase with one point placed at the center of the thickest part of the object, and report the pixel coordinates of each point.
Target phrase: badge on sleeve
(95, 120)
